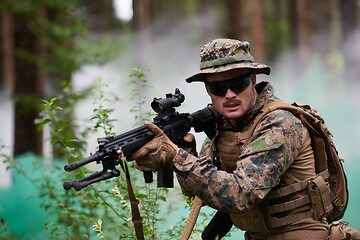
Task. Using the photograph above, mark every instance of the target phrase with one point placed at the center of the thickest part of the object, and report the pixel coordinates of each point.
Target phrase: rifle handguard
(175, 125)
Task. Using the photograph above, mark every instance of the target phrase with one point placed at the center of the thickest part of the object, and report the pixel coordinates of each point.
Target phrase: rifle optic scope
(161, 105)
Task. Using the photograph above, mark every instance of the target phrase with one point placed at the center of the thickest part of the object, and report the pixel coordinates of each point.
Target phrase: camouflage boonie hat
(224, 54)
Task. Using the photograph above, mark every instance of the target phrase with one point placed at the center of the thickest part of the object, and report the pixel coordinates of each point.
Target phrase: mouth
(231, 105)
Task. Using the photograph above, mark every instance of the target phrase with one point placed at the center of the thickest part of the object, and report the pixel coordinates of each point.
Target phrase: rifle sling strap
(190, 223)
(136, 217)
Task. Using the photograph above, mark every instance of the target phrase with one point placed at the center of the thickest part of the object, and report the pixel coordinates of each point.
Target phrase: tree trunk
(325, 26)
(205, 14)
(100, 15)
(349, 16)
(257, 30)
(29, 87)
(350, 22)
(234, 19)
(141, 24)
(7, 52)
(141, 14)
(302, 21)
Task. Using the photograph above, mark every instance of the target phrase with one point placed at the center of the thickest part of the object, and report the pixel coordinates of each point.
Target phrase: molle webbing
(328, 198)
(230, 145)
(313, 197)
(276, 222)
(295, 187)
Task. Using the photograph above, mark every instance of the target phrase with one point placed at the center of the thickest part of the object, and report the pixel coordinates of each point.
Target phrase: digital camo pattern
(225, 54)
(221, 48)
(274, 145)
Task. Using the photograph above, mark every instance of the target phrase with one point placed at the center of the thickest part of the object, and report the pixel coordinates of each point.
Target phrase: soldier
(251, 168)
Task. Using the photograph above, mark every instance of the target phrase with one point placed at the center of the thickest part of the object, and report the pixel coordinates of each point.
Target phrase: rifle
(175, 125)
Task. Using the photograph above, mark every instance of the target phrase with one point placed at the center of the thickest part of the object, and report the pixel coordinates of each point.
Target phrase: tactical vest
(290, 203)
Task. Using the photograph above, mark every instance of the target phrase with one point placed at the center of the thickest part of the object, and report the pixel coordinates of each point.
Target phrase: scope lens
(157, 107)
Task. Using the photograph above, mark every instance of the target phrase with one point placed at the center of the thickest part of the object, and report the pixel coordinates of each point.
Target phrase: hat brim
(257, 67)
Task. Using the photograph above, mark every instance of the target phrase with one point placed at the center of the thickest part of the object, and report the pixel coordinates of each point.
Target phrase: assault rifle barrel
(175, 126)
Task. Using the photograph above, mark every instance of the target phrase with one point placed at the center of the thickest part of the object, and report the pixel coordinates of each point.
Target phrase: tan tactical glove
(190, 144)
(156, 154)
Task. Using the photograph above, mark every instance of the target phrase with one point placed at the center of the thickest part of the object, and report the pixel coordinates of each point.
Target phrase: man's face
(233, 104)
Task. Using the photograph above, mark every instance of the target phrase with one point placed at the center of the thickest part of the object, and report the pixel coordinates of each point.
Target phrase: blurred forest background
(59, 48)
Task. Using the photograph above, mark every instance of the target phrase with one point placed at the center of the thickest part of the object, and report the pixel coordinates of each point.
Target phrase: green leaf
(54, 229)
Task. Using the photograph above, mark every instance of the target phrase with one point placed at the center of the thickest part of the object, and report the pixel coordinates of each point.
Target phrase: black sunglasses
(236, 84)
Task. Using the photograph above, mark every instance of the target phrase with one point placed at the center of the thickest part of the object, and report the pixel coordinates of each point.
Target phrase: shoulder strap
(136, 217)
(191, 221)
(263, 112)
(305, 116)
(327, 162)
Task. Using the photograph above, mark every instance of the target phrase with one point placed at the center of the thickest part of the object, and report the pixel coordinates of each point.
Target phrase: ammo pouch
(320, 198)
(315, 204)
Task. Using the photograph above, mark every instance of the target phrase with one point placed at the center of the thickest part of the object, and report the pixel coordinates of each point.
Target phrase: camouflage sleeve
(274, 145)
(205, 148)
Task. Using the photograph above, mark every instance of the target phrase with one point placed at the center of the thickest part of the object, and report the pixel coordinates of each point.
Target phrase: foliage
(56, 24)
(102, 117)
(102, 210)
(137, 93)
(5, 233)
(67, 43)
(105, 206)
(277, 29)
(59, 112)
(151, 198)
(77, 211)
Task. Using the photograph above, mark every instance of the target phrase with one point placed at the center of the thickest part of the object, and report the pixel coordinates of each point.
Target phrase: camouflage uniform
(275, 144)
(277, 154)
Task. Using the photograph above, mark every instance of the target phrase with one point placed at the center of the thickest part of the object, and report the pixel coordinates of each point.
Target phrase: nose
(229, 93)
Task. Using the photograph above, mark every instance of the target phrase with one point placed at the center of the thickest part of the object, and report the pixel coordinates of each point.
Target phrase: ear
(253, 79)
(207, 89)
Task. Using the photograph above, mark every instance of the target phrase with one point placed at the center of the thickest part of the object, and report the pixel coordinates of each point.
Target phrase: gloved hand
(156, 154)
(190, 144)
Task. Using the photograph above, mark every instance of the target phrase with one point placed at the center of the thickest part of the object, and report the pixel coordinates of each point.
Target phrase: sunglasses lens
(236, 85)
(214, 90)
